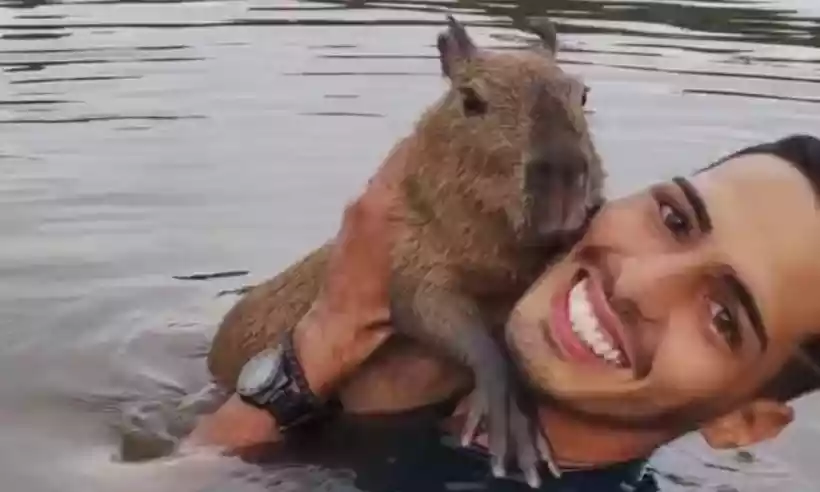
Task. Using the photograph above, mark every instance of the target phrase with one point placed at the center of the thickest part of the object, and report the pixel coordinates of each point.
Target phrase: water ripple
(754, 95)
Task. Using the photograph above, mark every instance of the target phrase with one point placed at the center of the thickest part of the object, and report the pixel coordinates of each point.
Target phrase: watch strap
(288, 396)
(294, 403)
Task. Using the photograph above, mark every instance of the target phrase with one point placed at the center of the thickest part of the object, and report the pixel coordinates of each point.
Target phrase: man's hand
(350, 318)
(348, 321)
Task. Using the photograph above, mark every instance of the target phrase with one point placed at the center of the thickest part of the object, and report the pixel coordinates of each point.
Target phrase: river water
(142, 141)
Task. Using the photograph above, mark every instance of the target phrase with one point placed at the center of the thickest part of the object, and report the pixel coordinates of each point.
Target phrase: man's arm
(348, 321)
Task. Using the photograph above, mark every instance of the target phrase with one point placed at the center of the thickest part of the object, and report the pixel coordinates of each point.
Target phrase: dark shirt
(407, 454)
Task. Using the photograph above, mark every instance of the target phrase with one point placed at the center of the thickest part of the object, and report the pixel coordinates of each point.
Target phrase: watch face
(258, 372)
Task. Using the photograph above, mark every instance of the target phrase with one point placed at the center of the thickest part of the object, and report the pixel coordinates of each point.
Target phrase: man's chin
(614, 400)
(552, 374)
(601, 395)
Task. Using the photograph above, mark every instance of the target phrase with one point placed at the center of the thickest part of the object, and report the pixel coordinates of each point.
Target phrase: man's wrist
(315, 354)
(274, 380)
(330, 345)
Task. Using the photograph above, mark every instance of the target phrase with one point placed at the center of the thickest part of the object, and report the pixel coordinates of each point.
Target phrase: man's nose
(657, 282)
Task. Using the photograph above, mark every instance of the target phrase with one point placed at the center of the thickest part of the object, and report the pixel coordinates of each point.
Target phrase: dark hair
(801, 374)
(801, 151)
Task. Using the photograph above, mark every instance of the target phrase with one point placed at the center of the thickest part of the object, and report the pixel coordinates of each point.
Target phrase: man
(687, 306)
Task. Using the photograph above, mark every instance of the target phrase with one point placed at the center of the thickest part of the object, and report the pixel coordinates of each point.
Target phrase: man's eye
(725, 324)
(677, 223)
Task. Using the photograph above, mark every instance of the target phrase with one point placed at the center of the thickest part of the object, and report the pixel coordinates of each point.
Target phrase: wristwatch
(273, 380)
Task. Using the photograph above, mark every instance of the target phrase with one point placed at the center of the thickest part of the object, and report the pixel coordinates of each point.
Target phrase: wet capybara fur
(499, 175)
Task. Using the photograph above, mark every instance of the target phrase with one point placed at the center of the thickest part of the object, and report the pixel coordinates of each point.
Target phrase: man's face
(681, 301)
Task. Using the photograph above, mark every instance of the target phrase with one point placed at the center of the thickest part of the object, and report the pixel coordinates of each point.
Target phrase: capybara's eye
(472, 102)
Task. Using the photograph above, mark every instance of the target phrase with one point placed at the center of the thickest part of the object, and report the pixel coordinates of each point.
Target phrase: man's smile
(584, 328)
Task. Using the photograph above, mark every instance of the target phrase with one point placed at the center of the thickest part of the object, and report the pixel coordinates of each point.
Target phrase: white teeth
(586, 326)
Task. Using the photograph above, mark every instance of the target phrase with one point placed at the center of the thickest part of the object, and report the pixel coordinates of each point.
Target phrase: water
(147, 140)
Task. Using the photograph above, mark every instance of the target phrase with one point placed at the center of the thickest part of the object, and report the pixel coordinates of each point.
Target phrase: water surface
(148, 140)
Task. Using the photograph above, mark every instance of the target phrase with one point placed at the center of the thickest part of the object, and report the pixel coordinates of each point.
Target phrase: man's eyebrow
(750, 306)
(696, 202)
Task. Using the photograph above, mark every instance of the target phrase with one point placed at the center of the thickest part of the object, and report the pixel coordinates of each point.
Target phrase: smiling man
(687, 306)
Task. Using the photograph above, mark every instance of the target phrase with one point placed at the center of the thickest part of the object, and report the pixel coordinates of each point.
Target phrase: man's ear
(756, 422)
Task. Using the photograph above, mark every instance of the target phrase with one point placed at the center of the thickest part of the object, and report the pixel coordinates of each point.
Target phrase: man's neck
(578, 444)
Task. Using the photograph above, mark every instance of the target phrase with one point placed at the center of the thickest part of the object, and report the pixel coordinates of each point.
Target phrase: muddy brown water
(145, 141)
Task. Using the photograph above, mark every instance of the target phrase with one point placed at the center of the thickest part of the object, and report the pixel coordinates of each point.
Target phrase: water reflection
(144, 141)
(750, 21)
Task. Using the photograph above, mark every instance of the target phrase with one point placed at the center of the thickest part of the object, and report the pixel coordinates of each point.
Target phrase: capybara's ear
(544, 28)
(454, 46)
